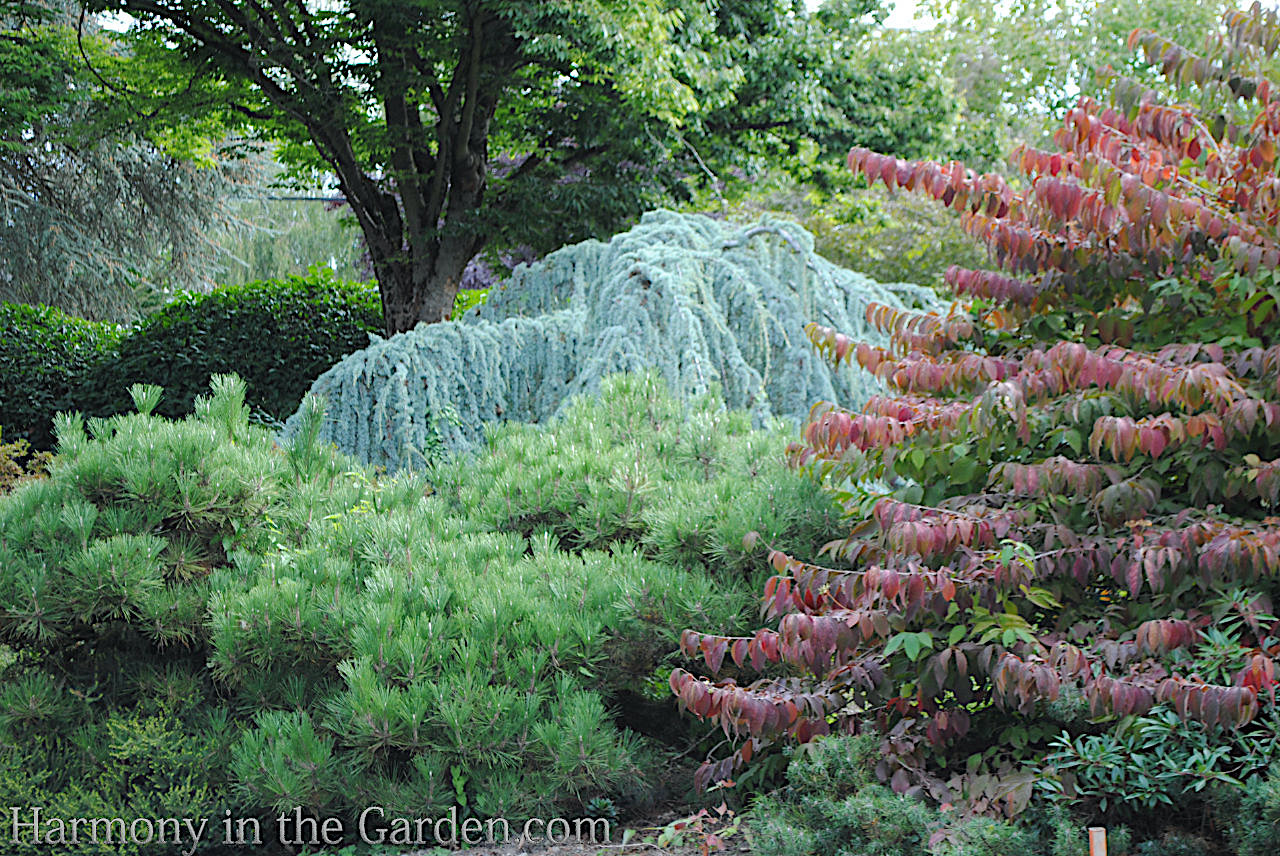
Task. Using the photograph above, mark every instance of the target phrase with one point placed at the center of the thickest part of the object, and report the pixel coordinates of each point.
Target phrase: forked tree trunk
(418, 235)
(423, 292)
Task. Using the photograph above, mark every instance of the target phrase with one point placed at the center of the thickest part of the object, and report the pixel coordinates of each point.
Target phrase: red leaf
(715, 654)
(948, 590)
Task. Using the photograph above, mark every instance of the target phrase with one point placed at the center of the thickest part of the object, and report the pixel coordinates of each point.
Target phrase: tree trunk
(419, 282)
(423, 291)
(421, 236)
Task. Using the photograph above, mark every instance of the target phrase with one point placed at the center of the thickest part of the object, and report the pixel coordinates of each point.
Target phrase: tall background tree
(1018, 66)
(452, 125)
(95, 217)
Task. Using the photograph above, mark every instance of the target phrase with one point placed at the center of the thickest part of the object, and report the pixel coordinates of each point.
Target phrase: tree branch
(89, 63)
(471, 96)
(446, 131)
(530, 163)
(260, 115)
(734, 127)
(393, 80)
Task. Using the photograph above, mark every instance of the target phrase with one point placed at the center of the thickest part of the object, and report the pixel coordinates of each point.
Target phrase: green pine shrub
(1175, 844)
(278, 335)
(684, 483)
(1249, 816)
(44, 354)
(833, 807)
(687, 481)
(199, 616)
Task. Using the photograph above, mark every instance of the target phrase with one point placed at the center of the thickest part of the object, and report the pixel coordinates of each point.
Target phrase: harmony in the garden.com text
(33, 825)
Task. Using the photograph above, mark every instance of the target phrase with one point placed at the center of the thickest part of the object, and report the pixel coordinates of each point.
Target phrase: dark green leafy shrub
(1156, 761)
(278, 335)
(44, 354)
(313, 634)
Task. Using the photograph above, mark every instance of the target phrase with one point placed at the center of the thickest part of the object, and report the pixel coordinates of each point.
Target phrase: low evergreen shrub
(1176, 844)
(44, 355)
(1249, 817)
(200, 617)
(833, 805)
(687, 481)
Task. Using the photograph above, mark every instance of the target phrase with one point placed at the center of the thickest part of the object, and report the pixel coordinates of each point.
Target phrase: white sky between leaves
(903, 15)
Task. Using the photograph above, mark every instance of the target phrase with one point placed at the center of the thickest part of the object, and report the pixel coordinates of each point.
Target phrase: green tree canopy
(1020, 65)
(450, 123)
(93, 217)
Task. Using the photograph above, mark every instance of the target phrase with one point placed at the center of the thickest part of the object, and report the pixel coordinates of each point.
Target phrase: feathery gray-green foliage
(101, 215)
(101, 231)
(703, 303)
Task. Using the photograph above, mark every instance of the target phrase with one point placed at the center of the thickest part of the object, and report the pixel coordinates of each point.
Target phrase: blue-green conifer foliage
(705, 304)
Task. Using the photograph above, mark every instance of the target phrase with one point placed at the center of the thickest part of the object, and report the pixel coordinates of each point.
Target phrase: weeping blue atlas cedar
(706, 304)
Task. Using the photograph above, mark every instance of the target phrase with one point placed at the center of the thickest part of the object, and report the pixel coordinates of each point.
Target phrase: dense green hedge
(278, 335)
(44, 356)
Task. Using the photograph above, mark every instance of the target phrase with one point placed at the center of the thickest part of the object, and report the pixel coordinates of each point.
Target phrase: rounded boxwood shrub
(277, 335)
(44, 356)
